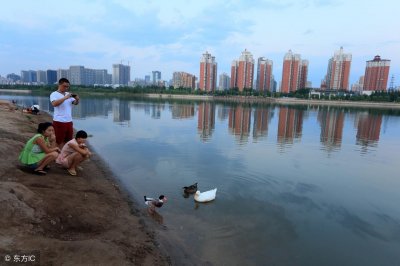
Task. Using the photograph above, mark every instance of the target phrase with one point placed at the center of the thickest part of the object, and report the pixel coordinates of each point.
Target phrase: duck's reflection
(157, 217)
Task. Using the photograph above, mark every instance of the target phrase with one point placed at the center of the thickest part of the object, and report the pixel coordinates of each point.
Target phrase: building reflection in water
(121, 112)
(223, 112)
(182, 111)
(368, 129)
(262, 117)
(290, 125)
(239, 122)
(206, 119)
(156, 110)
(91, 107)
(331, 121)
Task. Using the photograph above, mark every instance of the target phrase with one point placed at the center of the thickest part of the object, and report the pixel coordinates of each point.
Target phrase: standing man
(62, 102)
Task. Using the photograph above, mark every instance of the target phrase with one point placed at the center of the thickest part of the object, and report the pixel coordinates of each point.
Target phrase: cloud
(176, 33)
(309, 31)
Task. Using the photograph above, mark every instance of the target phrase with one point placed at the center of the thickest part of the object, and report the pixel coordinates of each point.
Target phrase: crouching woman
(39, 151)
(74, 152)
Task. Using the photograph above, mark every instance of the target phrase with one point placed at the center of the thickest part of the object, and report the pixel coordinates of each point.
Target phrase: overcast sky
(171, 35)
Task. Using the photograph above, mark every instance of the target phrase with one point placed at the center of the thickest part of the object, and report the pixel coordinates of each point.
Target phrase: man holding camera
(62, 102)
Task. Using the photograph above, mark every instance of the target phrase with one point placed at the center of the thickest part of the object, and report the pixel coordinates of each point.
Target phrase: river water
(296, 185)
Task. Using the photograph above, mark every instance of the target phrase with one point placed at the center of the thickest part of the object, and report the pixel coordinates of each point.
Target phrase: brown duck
(190, 189)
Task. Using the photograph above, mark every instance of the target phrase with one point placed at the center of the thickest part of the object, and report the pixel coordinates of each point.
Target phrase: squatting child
(74, 152)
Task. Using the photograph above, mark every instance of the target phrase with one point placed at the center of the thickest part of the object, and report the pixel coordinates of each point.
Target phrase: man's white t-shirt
(63, 112)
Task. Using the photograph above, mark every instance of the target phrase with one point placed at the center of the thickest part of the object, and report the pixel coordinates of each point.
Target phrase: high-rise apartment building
(264, 80)
(224, 81)
(274, 84)
(338, 74)
(41, 77)
(121, 74)
(51, 76)
(303, 74)
(242, 71)
(376, 74)
(358, 87)
(101, 77)
(294, 73)
(208, 73)
(13, 77)
(89, 76)
(62, 73)
(147, 79)
(77, 74)
(28, 76)
(156, 77)
(183, 80)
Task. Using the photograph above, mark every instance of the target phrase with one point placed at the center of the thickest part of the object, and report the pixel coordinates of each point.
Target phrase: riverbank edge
(251, 100)
(50, 214)
(279, 101)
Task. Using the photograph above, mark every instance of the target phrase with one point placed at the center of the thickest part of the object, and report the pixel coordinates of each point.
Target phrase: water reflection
(262, 117)
(291, 207)
(94, 107)
(290, 125)
(155, 110)
(158, 218)
(368, 123)
(331, 122)
(182, 111)
(223, 112)
(239, 122)
(206, 119)
(368, 129)
(121, 112)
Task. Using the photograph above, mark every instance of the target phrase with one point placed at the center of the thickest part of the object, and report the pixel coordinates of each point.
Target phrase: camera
(74, 95)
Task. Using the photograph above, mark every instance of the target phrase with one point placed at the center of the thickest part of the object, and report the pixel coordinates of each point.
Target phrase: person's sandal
(39, 172)
(73, 173)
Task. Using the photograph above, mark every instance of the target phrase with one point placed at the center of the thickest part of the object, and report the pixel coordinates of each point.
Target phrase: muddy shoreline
(82, 220)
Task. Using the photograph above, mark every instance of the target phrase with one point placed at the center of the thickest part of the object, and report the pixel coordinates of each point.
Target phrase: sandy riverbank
(16, 91)
(83, 220)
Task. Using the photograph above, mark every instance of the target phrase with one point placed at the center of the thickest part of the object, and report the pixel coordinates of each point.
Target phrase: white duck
(205, 196)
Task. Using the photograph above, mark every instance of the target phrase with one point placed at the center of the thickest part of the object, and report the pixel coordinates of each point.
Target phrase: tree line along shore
(388, 99)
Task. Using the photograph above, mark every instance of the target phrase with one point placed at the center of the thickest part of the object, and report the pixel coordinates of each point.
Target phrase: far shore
(16, 91)
(280, 101)
(250, 99)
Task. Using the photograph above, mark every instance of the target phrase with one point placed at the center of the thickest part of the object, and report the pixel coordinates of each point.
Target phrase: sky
(172, 35)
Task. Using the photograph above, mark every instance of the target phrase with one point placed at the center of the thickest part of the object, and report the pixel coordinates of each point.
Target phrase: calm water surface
(296, 185)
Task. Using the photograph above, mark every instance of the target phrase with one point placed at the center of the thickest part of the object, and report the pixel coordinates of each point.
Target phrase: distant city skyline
(172, 36)
(294, 75)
